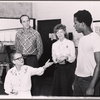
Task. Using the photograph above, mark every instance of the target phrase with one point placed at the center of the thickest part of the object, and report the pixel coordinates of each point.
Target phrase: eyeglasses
(18, 58)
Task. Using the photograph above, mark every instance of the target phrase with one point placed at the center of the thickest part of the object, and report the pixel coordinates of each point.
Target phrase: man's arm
(54, 58)
(39, 45)
(39, 71)
(90, 90)
(7, 83)
(17, 44)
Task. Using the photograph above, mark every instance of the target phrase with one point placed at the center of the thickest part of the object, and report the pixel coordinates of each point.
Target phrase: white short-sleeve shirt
(88, 45)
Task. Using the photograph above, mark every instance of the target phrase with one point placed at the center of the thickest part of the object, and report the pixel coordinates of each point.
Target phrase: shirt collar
(26, 30)
(15, 69)
(23, 69)
(63, 40)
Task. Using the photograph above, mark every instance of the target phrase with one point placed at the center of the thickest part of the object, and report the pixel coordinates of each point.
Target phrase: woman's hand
(61, 59)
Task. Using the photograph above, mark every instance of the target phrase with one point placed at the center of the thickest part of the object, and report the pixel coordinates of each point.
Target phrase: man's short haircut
(23, 16)
(84, 16)
(58, 27)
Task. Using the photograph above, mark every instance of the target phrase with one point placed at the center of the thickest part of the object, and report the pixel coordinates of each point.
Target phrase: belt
(62, 63)
(24, 56)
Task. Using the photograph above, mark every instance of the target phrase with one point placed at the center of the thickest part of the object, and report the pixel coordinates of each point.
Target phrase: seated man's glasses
(19, 58)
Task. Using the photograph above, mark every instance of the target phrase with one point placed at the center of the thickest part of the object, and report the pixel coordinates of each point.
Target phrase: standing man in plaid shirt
(28, 42)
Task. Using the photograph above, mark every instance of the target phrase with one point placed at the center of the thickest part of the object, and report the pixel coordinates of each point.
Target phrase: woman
(63, 55)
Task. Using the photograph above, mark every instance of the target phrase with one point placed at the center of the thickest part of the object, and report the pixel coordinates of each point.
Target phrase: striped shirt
(29, 42)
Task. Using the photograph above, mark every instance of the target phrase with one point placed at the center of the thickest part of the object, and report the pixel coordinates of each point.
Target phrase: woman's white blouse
(20, 80)
(63, 48)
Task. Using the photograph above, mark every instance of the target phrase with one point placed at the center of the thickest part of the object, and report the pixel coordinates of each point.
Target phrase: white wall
(64, 10)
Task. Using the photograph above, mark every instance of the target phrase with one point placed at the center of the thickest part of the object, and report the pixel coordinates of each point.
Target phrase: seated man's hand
(14, 92)
(47, 64)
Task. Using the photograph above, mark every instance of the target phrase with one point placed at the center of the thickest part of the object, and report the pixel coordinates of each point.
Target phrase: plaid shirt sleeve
(39, 45)
(17, 44)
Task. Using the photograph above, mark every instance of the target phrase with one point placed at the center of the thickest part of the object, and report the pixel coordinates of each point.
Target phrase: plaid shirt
(29, 42)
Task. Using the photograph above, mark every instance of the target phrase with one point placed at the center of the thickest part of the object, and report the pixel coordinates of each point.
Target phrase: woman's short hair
(58, 27)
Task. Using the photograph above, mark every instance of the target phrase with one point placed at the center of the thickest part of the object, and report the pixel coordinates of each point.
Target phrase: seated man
(18, 78)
